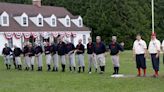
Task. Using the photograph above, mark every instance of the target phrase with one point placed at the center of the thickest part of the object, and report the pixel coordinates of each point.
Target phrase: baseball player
(154, 50)
(31, 56)
(139, 53)
(17, 53)
(80, 55)
(26, 56)
(100, 50)
(71, 56)
(163, 50)
(54, 57)
(61, 50)
(91, 55)
(115, 49)
(6, 54)
(38, 55)
(47, 52)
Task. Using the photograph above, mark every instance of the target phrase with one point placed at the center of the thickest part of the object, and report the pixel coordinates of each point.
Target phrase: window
(40, 21)
(80, 22)
(84, 39)
(53, 21)
(68, 22)
(24, 21)
(4, 19)
(10, 42)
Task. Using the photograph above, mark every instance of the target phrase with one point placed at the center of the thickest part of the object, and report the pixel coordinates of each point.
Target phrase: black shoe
(96, 70)
(32, 67)
(74, 68)
(79, 70)
(7, 67)
(70, 68)
(49, 68)
(83, 68)
(63, 68)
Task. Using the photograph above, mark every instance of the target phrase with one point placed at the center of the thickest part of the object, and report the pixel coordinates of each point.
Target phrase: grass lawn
(28, 81)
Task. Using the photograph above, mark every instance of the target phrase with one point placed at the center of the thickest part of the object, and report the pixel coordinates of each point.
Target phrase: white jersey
(139, 46)
(163, 45)
(154, 46)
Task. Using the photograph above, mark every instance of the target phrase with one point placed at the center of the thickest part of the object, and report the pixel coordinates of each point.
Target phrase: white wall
(2, 42)
(17, 42)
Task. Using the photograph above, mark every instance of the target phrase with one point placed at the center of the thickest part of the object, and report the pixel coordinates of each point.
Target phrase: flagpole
(152, 4)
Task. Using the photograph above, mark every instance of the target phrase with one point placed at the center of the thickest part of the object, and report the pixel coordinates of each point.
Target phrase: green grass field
(28, 81)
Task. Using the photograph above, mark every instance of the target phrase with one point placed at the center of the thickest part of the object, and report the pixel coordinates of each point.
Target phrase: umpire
(114, 49)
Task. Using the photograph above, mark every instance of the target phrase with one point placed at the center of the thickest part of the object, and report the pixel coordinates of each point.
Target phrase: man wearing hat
(38, 55)
(31, 56)
(139, 52)
(114, 49)
(61, 50)
(26, 56)
(6, 54)
(17, 54)
(154, 50)
(99, 50)
(54, 57)
(71, 55)
(80, 55)
(91, 55)
(47, 52)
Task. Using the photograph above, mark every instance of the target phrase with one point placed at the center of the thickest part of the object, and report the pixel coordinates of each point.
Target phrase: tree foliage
(123, 18)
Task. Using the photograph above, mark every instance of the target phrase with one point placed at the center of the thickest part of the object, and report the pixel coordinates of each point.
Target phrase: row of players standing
(61, 52)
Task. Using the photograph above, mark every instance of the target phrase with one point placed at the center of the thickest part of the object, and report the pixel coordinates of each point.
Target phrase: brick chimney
(36, 3)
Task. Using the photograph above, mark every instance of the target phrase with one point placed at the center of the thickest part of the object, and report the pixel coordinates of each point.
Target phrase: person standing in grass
(99, 50)
(139, 53)
(26, 56)
(154, 50)
(61, 50)
(31, 56)
(80, 55)
(38, 55)
(163, 50)
(91, 55)
(54, 57)
(17, 54)
(6, 54)
(71, 55)
(47, 52)
(114, 49)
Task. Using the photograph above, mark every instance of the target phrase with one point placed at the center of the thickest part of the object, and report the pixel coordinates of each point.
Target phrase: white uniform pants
(39, 60)
(7, 59)
(115, 61)
(62, 59)
(55, 60)
(27, 61)
(92, 60)
(71, 59)
(18, 61)
(80, 59)
(48, 59)
(101, 59)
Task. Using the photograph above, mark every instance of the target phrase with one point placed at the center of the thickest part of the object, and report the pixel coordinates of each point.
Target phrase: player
(91, 55)
(54, 57)
(31, 56)
(154, 50)
(100, 50)
(47, 52)
(26, 56)
(38, 55)
(115, 49)
(6, 54)
(80, 55)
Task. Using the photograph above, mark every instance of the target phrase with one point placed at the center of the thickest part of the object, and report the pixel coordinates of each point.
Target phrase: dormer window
(4, 20)
(53, 21)
(24, 21)
(40, 21)
(80, 22)
(67, 22)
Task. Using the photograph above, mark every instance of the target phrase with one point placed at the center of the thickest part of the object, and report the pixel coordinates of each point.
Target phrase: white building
(35, 23)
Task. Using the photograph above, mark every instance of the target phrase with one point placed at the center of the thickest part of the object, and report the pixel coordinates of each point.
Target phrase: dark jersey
(25, 50)
(70, 47)
(61, 48)
(90, 48)
(115, 48)
(38, 49)
(47, 50)
(6, 51)
(53, 49)
(17, 52)
(99, 48)
(81, 48)
(31, 51)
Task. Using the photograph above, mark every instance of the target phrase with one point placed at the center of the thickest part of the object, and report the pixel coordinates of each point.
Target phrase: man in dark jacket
(17, 53)
(6, 53)
(38, 55)
(80, 55)
(114, 49)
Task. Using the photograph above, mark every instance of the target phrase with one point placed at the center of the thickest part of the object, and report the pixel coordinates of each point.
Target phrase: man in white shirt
(154, 50)
(139, 52)
(163, 50)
